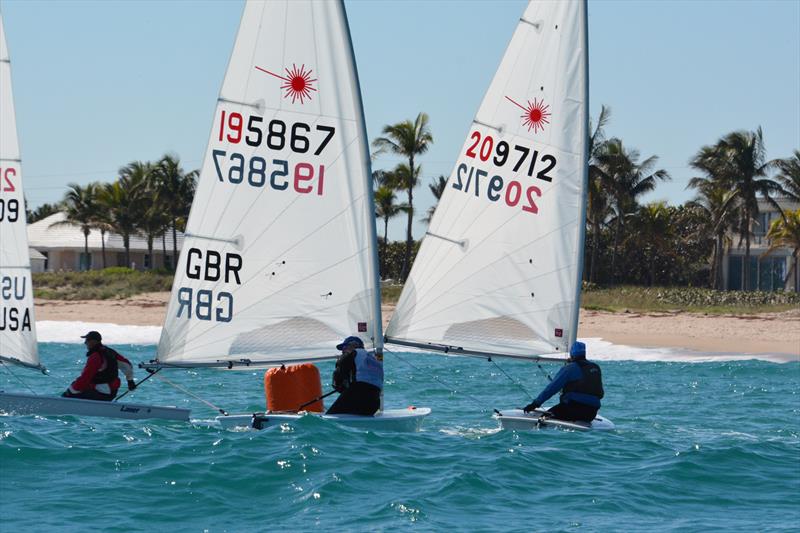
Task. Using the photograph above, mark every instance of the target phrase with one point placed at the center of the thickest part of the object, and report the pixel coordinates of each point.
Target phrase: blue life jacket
(368, 368)
(588, 389)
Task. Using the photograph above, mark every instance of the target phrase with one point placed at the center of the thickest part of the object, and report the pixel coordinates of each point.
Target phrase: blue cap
(351, 340)
(578, 351)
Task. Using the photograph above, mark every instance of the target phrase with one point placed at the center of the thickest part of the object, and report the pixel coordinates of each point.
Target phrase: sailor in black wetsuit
(581, 386)
(358, 377)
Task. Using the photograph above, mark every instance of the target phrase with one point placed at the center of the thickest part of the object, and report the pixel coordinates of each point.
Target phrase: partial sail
(279, 261)
(499, 269)
(17, 325)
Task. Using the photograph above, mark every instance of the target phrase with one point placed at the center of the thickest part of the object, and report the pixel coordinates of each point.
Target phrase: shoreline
(768, 333)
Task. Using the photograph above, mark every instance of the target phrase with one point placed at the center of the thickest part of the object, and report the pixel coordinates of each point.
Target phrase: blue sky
(100, 84)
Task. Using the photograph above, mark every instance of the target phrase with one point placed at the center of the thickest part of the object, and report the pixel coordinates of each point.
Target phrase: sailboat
(279, 261)
(17, 323)
(499, 271)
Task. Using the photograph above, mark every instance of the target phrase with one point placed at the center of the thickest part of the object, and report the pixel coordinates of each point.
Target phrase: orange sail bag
(289, 387)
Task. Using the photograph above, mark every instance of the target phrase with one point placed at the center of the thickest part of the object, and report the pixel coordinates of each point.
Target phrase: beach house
(771, 271)
(62, 246)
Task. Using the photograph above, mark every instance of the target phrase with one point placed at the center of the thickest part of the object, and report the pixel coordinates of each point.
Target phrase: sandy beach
(772, 333)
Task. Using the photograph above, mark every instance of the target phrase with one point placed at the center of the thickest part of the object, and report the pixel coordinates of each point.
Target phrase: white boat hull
(29, 404)
(403, 420)
(518, 420)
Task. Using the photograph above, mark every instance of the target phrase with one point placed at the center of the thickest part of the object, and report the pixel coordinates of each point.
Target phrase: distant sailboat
(280, 257)
(499, 270)
(17, 325)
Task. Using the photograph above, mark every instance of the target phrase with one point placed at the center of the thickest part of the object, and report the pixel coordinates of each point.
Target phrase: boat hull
(29, 404)
(402, 420)
(518, 420)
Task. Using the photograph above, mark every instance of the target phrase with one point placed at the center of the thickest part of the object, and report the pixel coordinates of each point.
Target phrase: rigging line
(545, 372)
(196, 397)
(7, 367)
(439, 381)
(512, 380)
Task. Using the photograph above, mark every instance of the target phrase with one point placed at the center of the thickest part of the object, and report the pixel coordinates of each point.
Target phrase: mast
(373, 232)
(573, 336)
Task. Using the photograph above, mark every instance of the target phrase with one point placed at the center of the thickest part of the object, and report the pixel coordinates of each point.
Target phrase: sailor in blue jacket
(581, 386)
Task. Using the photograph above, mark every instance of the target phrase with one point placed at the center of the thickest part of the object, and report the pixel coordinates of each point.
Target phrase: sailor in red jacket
(99, 379)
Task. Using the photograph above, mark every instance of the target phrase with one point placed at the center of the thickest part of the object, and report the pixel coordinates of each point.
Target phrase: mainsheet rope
(7, 367)
(193, 395)
(512, 380)
(436, 378)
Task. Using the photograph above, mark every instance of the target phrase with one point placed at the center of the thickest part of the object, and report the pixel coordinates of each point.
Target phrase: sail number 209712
(520, 160)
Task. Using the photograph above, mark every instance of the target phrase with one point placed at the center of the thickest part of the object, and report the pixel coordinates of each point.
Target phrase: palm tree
(740, 159)
(598, 209)
(437, 189)
(789, 176)
(80, 207)
(154, 219)
(124, 201)
(716, 201)
(175, 191)
(626, 179)
(407, 139)
(43, 211)
(386, 208)
(785, 232)
(653, 232)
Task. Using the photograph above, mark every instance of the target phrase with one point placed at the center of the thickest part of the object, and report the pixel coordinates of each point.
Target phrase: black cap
(92, 336)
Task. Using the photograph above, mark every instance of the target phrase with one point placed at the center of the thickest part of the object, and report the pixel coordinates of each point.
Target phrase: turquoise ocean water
(699, 446)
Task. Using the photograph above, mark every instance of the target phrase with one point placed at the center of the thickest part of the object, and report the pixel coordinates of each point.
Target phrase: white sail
(279, 261)
(499, 269)
(17, 325)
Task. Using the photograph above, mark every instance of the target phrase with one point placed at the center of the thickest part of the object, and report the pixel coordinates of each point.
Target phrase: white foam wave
(597, 348)
(602, 350)
(70, 332)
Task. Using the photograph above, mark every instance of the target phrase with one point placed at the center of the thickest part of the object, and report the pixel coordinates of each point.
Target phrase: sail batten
(17, 323)
(279, 259)
(499, 270)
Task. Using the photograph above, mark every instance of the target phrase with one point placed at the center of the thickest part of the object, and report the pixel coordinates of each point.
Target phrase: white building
(63, 247)
(767, 272)
(37, 260)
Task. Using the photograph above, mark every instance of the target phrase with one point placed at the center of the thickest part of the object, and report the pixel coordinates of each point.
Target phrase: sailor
(358, 378)
(581, 386)
(99, 379)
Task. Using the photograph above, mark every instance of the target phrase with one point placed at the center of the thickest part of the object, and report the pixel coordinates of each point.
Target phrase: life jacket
(368, 368)
(110, 373)
(591, 381)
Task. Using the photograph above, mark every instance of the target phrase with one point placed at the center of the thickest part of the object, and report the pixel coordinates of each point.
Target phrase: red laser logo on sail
(536, 114)
(297, 82)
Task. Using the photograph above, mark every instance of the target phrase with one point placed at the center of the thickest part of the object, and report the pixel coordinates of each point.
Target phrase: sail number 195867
(276, 134)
